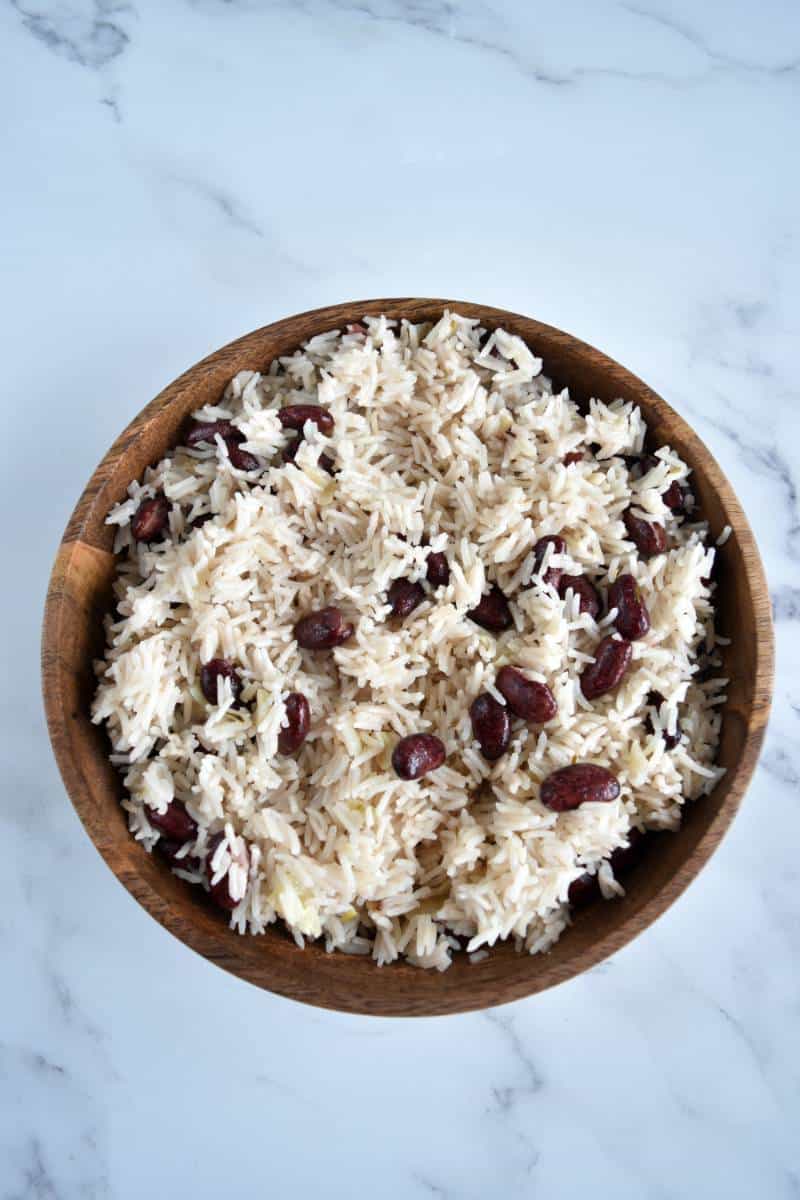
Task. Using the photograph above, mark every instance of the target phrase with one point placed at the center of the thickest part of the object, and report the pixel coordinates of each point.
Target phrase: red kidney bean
(298, 718)
(640, 464)
(581, 783)
(243, 460)
(206, 431)
(322, 630)
(404, 596)
(625, 857)
(219, 668)
(417, 754)
(612, 657)
(219, 891)
(583, 890)
(676, 497)
(528, 699)
(553, 574)
(655, 699)
(648, 537)
(150, 519)
(491, 725)
(438, 570)
(169, 849)
(632, 619)
(175, 823)
(294, 416)
(492, 612)
(574, 456)
(539, 550)
(588, 597)
(586, 887)
(289, 454)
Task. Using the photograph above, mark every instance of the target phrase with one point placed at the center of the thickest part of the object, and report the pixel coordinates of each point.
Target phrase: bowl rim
(489, 991)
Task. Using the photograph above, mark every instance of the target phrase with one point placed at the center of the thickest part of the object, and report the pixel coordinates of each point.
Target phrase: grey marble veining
(176, 174)
(90, 38)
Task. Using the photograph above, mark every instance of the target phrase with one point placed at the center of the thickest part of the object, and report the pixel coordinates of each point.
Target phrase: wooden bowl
(80, 591)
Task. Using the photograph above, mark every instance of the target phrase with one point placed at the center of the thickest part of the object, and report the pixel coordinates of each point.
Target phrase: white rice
(435, 439)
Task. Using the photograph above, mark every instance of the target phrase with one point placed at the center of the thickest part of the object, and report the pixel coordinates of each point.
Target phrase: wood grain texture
(79, 594)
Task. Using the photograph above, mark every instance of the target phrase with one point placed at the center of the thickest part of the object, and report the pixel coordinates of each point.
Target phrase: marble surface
(177, 173)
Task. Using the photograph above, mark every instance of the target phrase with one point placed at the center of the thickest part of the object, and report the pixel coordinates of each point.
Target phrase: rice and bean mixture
(408, 651)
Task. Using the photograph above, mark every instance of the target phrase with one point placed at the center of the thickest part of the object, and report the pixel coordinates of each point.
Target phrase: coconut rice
(445, 439)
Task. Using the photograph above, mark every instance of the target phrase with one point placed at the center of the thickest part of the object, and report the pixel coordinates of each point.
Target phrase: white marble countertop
(177, 173)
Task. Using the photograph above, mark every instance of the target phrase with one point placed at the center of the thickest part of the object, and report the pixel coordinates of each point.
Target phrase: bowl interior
(79, 596)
